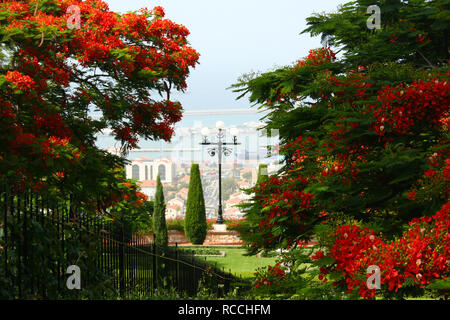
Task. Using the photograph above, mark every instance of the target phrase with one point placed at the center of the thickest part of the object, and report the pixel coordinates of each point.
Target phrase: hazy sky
(235, 37)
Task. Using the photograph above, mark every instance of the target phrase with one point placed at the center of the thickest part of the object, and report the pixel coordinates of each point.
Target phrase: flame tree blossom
(123, 66)
(365, 149)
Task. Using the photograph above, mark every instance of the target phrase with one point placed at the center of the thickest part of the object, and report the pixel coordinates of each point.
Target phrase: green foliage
(175, 224)
(140, 220)
(133, 209)
(36, 249)
(50, 82)
(159, 216)
(440, 284)
(202, 252)
(299, 281)
(195, 221)
(339, 120)
(345, 162)
(347, 30)
(249, 227)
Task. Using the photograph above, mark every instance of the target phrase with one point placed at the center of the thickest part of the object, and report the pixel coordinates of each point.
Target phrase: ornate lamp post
(219, 149)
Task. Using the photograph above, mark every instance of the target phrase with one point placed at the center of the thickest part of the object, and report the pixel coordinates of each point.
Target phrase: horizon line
(223, 111)
(209, 111)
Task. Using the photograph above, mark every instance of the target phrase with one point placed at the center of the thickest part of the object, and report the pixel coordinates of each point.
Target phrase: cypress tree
(159, 216)
(195, 221)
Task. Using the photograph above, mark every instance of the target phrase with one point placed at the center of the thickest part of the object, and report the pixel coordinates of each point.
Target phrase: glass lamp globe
(234, 132)
(220, 125)
(205, 132)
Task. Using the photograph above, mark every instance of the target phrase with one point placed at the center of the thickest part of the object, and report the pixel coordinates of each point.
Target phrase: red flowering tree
(366, 145)
(415, 259)
(54, 74)
(60, 62)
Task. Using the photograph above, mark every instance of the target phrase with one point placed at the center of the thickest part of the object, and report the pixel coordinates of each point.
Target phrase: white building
(233, 213)
(172, 211)
(148, 187)
(143, 169)
(177, 202)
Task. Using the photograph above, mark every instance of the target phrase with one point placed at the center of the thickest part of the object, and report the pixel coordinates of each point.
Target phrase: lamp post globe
(234, 132)
(205, 131)
(220, 125)
(221, 148)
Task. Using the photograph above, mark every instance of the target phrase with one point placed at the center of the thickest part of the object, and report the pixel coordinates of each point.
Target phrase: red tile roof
(234, 201)
(173, 206)
(147, 183)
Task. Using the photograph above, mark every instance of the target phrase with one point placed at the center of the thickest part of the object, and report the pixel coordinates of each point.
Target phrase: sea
(185, 145)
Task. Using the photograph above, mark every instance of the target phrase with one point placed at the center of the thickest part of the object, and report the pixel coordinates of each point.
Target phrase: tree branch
(168, 88)
(425, 58)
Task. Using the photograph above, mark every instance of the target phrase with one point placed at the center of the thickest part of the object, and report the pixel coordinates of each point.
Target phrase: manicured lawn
(239, 264)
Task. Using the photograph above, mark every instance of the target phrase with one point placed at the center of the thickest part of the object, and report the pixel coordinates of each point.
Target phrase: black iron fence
(40, 237)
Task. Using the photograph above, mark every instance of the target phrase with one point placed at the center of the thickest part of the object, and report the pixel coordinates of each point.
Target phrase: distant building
(148, 187)
(233, 213)
(185, 179)
(183, 193)
(252, 171)
(176, 201)
(171, 194)
(236, 194)
(234, 201)
(172, 211)
(241, 195)
(243, 184)
(143, 169)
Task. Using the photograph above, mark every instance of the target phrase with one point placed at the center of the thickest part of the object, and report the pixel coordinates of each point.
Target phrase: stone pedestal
(224, 238)
(219, 227)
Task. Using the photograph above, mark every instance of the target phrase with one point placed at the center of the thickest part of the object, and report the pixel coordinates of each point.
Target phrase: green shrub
(233, 224)
(195, 222)
(175, 224)
(159, 216)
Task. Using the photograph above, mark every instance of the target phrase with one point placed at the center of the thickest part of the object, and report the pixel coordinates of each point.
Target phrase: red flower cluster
(273, 275)
(53, 147)
(127, 137)
(140, 199)
(405, 106)
(436, 180)
(141, 48)
(421, 255)
(234, 224)
(317, 255)
(283, 202)
(52, 124)
(159, 11)
(19, 80)
(394, 38)
(317, 57)
(351, 87)
(447, 169)
(300, 148)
